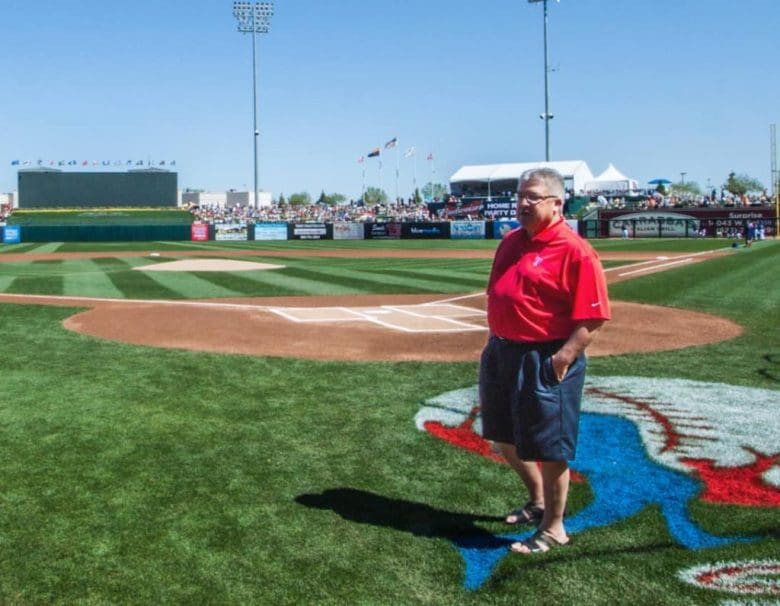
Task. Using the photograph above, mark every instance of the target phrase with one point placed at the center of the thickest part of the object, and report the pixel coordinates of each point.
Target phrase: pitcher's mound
(207, 265)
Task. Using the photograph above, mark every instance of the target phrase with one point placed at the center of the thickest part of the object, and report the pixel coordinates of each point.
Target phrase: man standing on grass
(546, 300)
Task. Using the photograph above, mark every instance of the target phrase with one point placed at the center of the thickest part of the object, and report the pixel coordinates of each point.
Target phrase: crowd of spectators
(406, 210)
(650, 200)
(409, 210)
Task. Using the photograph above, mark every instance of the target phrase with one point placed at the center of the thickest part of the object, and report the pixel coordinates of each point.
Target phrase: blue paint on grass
(624, 482)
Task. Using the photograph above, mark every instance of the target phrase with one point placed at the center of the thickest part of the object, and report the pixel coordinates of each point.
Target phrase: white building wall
(229, 198)
(198, 198)
(247, 198)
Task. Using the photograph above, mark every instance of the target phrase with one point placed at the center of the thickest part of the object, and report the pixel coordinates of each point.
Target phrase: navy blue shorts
(524, 404)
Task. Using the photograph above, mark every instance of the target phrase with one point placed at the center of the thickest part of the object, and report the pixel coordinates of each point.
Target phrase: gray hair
(549, 176)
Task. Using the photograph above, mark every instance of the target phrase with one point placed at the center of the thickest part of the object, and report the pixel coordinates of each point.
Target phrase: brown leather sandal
(527, 514)
(539, 542)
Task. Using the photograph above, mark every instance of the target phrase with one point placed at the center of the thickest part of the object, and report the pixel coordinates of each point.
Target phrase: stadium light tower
(254, 18)
(546, 116)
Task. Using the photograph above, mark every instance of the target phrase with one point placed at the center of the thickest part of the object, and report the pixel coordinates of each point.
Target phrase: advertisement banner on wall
(495, 208)
(309, 231)
(230, 231)
(12, 234)
(501, 228)
(464, 209)
(711, 221)
(347, 231)
(644, 225)
(382, 231)
(425, 231)
(270, 231)
(200, 232)
(467, 230)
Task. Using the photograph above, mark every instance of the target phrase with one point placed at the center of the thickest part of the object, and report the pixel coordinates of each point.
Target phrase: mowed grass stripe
(17, 248)
(281, 282)
(363, 281)
(399, 283)
(49, 247)
(111, 264)
(93, 281)
(445, 279)
(36, 285)
(138, 285)
(197, 285)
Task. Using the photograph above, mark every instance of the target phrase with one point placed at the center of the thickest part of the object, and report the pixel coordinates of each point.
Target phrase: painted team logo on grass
(760, 577)
(643, 442)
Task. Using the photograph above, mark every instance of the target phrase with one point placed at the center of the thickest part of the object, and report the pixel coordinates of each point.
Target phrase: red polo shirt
(540, 288)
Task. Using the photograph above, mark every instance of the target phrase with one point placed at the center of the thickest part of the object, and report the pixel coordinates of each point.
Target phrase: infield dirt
(260, 326)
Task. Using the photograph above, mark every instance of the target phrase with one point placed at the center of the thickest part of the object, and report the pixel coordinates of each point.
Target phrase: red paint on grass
(672, 437)
(464, 436)
(738, 485)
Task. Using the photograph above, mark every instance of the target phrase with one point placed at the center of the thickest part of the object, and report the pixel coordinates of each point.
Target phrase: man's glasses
(532, 199)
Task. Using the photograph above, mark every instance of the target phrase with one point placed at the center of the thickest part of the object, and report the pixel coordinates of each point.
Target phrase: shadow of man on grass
(421, 520)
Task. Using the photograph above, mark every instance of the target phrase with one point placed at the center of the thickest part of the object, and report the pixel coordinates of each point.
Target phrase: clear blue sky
(656, 87)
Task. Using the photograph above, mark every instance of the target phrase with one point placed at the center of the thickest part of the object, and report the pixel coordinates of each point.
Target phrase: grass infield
(147, 476)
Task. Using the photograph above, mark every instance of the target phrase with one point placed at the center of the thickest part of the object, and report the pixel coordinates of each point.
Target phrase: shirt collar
(547, 234)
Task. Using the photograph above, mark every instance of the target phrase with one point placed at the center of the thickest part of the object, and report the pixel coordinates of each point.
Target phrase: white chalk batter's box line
(373, 315)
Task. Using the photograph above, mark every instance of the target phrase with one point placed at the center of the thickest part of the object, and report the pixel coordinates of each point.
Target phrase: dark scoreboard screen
(54, 189)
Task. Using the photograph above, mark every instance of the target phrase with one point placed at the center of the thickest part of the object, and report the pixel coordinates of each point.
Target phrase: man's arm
(580, 338)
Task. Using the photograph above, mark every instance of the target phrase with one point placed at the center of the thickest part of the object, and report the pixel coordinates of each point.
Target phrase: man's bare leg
(555, 476)
(529, 474)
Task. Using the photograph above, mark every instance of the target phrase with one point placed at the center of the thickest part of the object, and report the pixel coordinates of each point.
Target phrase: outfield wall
(636, 226)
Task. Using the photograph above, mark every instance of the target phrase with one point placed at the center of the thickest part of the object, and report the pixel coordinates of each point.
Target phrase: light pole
(254, 18)
(682, 178)
(546, 116)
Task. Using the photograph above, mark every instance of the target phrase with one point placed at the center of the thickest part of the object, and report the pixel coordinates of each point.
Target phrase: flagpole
(397, 166)
(380, 171)
(414, 171)
(433, 174)
(363, 191)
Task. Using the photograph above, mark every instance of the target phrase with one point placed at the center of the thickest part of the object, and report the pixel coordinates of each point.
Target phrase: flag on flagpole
(391, 143)
(430, 156)
(410, 152)
(374, 153)
(15, 162)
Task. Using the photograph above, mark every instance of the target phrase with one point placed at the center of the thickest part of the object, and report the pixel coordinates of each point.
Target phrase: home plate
(208, 265)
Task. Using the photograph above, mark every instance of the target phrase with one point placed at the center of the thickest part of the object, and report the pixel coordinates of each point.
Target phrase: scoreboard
(136, 188)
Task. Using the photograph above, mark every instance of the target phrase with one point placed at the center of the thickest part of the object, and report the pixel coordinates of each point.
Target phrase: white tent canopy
(576, 171)
(612, 180)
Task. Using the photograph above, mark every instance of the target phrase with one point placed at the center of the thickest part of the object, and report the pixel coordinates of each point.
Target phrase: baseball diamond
(365, 327)
(201, 425)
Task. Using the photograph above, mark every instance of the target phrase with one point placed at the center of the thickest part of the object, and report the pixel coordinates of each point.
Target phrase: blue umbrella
(659, 182)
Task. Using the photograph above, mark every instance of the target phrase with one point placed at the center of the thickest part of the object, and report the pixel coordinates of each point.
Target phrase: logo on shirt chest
(537, 261)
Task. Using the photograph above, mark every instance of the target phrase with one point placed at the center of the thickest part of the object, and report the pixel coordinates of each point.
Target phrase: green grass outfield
(149, 476)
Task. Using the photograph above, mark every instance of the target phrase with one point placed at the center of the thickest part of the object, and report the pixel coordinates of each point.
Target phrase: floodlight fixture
(546, 116)
(254, 18)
